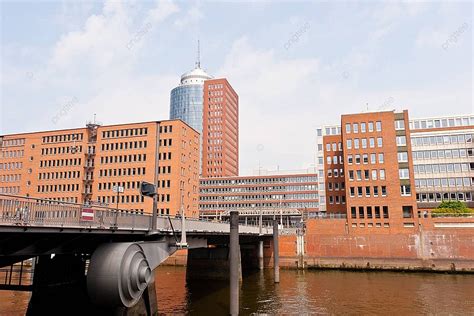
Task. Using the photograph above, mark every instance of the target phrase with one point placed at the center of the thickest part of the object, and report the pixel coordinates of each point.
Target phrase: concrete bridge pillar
(209, 264)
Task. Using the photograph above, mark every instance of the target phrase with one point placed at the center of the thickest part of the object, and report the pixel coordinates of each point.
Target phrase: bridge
(96, 259)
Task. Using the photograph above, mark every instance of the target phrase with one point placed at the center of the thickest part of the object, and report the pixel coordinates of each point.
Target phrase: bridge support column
(59, 286)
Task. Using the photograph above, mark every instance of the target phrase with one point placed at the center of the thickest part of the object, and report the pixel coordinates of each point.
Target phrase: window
(355, 128)
(362, 127)
(359, 191)
(371, 126)
(378, 126)
(357, 159)
(353, 212)
(328, 147)
(334, 146)
(349, 143)
(384, 190)
(403, 173)
(348, 128)
(385, 211)
(376, 191)
(405, 190)
(351, 174)
(359, 175)
(349, 159)
(364, 142)
(379, 142)
(382, 174)
(373, 158)
(402, 156)
(372, 142)
(367, 191)
(365, 158)
(401, 141)
(381, 158)
(374, 174)
(356, 143)
(407, 211)
(399, 125)
(352, 191)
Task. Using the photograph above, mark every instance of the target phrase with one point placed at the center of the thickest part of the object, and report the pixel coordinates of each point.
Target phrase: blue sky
(295, 65)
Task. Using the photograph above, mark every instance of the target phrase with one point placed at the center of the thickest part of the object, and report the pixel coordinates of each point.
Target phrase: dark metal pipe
(234, 262)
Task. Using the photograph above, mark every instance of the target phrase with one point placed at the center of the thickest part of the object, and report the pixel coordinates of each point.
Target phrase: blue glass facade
(186, 104)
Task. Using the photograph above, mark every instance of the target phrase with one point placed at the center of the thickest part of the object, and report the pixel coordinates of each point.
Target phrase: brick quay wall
(436, 244)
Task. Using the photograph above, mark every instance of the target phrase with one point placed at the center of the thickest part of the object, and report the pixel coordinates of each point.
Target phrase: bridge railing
(25, 211)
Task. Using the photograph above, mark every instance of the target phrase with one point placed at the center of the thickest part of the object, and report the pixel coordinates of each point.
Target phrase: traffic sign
(87, 214)
(117, 189)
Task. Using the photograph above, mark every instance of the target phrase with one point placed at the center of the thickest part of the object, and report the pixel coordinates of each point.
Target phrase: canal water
(305, 293)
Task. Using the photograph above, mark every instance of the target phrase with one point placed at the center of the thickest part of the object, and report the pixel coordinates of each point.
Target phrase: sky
(295, 65)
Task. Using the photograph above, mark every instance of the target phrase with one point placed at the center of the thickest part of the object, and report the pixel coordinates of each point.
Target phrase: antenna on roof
(198, 61)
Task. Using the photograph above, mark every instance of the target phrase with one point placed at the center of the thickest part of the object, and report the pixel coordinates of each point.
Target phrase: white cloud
(192, 16)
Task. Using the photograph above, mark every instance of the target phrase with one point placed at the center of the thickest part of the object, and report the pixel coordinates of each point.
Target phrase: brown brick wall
(56, 165)
(220, 150)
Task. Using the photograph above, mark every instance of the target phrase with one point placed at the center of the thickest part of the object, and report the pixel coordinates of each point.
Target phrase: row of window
(308, 187)
(11, 165)
(259, 180)
(236, 206)
(60, 162)
(10, 190)
(59, 175)
(13, 142)
(337, 199)
(70, 187)
(122, 172)
(122, 199)
(297, 196)
(367, 174)
(444, 196)
(12, 154)
(443, 168)
(362, 142)
(166, 142)
(123, 158)
(336, 186)
(364, 127)
(129, 185)
(125, 132)
(61, 150)
(137, 144)
(166, 129)
(441, 154)
(442, 140)
(365, 159)
(369, 212)
(368, 191)
(442, 122)
(444, 182)
(10, 178)
(63, 138)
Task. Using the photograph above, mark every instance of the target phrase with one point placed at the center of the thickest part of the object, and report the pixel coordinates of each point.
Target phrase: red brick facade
(220, 150)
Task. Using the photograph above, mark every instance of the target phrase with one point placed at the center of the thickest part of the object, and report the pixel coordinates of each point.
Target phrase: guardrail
(26, 211)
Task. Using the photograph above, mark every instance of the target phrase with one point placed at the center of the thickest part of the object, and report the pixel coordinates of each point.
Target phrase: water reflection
(304, 292)
(324, 292)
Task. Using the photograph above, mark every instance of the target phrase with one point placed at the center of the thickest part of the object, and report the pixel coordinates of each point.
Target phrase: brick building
(389, 167)
(83, 165)
(220, 149)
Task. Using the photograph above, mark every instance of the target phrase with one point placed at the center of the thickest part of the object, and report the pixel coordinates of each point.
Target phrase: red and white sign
(87, 214)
